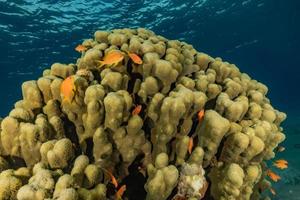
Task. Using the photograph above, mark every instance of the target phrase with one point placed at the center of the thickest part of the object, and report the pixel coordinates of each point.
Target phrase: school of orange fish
(112, 59)
(280, 164)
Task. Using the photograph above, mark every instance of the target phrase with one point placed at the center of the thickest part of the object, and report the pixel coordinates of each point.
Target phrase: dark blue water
(260, 36)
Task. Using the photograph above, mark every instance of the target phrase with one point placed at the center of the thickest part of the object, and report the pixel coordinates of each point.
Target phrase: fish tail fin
(66, 100)
(100, 64)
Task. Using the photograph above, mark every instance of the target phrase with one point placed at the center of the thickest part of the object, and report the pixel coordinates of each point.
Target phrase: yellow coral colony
(143, 121)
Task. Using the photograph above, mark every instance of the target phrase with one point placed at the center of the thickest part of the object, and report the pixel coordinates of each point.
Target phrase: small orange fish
(137, 110)
(120, 192)
(191, 144)
(135, 58)
(112, 177)
(274, 177)
(281, 164)
(112, 58)
(68, 89)
(281, 161)
(80, 48)
(272, 191)
(201, 115)
(113, 180)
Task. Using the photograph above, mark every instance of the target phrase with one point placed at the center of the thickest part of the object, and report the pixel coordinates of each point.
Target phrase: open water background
(260, 36)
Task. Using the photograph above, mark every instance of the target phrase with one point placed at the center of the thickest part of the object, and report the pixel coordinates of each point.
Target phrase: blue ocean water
(260, 36)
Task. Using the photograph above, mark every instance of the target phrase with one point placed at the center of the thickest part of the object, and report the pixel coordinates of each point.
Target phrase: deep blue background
(260, 36)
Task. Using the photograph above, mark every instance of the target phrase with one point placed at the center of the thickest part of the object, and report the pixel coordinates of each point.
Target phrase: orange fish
(120, 192)
(281, 161)
(201, 115)
(274, 177)
(281, 164)
(68, 89)
(191, 144)
(137, 110)
(113, 179)
(135, 58)
(112, 58)
(272, 191)
(80, 48)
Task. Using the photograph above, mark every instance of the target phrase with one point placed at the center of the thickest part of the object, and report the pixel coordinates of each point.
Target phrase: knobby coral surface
(92, 145)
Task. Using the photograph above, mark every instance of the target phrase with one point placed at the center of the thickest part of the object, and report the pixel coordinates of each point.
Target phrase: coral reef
(84, 130)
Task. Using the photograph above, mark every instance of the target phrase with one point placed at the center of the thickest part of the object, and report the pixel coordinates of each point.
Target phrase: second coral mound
(134, 123)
